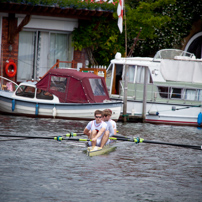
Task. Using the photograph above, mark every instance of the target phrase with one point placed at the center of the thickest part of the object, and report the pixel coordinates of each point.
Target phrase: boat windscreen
(97, 87)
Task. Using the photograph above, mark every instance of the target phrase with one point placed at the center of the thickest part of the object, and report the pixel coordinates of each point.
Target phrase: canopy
(71, 86)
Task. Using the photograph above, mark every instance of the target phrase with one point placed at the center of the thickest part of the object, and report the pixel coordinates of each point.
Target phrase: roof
(73, 73)
(56, 10)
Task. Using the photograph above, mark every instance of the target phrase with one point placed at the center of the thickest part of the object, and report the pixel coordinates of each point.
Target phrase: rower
(108, 118)
(96, 129)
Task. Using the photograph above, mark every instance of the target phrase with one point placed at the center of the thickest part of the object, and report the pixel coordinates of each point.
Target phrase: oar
(136, 140)
(59, 138)
(140, 140)
(71, 134)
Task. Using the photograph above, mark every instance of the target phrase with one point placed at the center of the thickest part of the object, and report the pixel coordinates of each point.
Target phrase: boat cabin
(72, 86)
(172, 75)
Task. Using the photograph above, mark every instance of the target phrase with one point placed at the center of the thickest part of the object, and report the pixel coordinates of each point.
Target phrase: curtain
(200, 95)
(190, 94)
(42, 54)
(140, 75)
(25, 55)
(58, 49)
(38, 52)
(131, 72)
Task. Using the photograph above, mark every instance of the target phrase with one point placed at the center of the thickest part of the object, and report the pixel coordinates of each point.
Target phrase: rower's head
(98, 115)
(106, 114)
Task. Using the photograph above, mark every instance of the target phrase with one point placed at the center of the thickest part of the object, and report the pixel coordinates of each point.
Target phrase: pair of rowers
(100, 129)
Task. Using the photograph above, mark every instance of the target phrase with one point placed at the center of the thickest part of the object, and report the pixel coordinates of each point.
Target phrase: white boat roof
(168, 65)
(28, 83)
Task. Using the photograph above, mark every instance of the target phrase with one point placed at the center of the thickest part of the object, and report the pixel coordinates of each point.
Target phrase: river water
(52, 171)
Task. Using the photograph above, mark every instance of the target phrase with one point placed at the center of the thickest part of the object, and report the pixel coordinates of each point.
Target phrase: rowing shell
(95, 151)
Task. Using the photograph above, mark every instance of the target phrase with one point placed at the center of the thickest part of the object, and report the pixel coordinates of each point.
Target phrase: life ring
(11, 68)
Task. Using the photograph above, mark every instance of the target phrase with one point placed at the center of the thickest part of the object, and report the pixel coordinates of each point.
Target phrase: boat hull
(163, 113)
(77, 111)
(96, 151)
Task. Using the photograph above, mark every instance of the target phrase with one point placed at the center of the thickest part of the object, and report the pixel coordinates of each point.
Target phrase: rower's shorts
(99, 142)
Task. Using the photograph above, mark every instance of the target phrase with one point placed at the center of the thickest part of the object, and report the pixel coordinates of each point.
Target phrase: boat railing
(7, 84)
(172, 54)
(135, 93)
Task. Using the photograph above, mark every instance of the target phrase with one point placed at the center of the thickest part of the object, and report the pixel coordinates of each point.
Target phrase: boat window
(97, 87)
(25, 91)
(109, 76)
(41, 94)
(190, 94)
(163, 91)
(131, 73)
(58, 83)
(199, 95)
(140, 75)
(176, 93)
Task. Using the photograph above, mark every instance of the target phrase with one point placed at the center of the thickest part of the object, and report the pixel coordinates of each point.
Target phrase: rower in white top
(96, 130)
(107, 118)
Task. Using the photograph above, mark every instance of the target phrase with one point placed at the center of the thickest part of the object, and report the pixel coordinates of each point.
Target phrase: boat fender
(173, 108)
(37, 109)
(10, 68)
(13, 105)
(154, 113)
(199, 118)
(54, 112)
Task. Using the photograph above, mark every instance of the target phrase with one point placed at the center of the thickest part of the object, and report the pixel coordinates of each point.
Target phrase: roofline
(52, 10)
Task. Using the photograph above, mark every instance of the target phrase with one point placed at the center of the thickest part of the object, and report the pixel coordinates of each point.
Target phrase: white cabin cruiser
(173, 86)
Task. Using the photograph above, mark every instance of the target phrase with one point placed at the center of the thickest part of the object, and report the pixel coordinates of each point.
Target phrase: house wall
(61, 24)
(7, 53)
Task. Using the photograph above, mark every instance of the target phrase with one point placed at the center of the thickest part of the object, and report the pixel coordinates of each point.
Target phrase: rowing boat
(96, 151)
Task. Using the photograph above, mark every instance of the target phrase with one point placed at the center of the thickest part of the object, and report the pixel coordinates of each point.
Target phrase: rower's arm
(86, 132)
(102, 130)
(115, 131)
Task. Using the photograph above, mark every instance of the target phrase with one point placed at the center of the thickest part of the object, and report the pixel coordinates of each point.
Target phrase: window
(163, 91)
(38, 51)
(97, 87)
(190, 94)
(176, 93)
(199, 95)
(141, 74)
(41, 94)
(131, 73)
(26, 91)
(58, 83)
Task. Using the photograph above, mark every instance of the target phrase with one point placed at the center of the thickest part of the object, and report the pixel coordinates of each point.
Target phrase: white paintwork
(53, 108)
(50, 23)
(164, 70)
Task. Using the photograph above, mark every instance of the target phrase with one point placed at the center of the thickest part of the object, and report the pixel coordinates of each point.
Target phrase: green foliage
(106, 40)
(164, 24)
(182, 14)
(148, 16)
(101, 36)
(75, 4)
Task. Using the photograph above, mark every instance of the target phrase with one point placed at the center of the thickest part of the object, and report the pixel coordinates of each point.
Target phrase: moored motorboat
(166, 89)
(61, 93)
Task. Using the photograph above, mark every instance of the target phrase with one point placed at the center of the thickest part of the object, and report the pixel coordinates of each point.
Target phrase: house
(33, 36)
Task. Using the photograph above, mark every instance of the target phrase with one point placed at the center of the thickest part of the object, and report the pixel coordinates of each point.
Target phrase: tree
(164, 23)
(101, 39)
(182, 14)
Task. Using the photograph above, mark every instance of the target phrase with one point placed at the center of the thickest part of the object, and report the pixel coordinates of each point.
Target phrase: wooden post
(57, 63)
(125, 94)
(144, 95)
